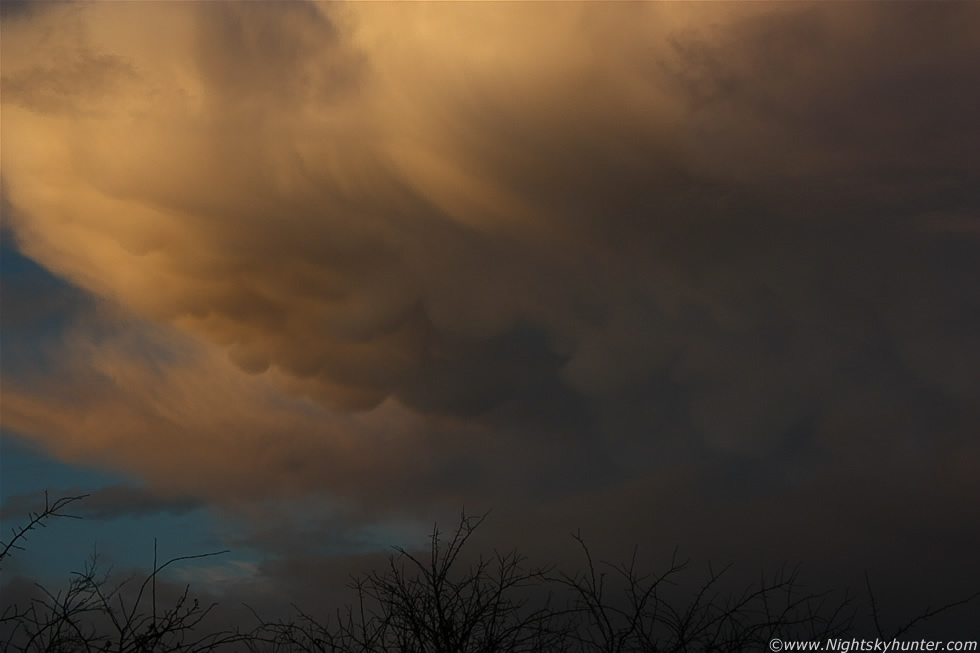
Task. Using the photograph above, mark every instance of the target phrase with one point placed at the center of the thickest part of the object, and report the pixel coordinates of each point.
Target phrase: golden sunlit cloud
(361, 218)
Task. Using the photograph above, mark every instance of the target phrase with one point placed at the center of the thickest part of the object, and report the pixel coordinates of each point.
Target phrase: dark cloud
(112, 502)
(19, 9)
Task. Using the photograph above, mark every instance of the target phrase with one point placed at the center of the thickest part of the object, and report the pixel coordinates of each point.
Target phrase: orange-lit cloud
(359, 225)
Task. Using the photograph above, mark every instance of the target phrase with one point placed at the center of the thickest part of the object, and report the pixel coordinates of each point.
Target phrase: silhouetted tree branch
(38, 519)
(92, 614)
(434, 603)
(929, 612)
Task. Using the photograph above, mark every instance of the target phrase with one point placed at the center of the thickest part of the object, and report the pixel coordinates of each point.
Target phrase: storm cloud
(412, 254)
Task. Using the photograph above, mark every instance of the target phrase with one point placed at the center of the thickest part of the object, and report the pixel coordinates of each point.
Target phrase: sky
(298, 280)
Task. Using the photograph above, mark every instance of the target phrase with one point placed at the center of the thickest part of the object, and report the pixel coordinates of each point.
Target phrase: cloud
(109, 502)
(495, 247)
(154, 402)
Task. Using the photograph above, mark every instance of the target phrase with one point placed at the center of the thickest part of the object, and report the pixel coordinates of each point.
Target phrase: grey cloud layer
(109, 502)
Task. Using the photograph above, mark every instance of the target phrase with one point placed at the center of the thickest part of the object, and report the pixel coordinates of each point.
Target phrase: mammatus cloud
(155, 403)
(464, 243)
